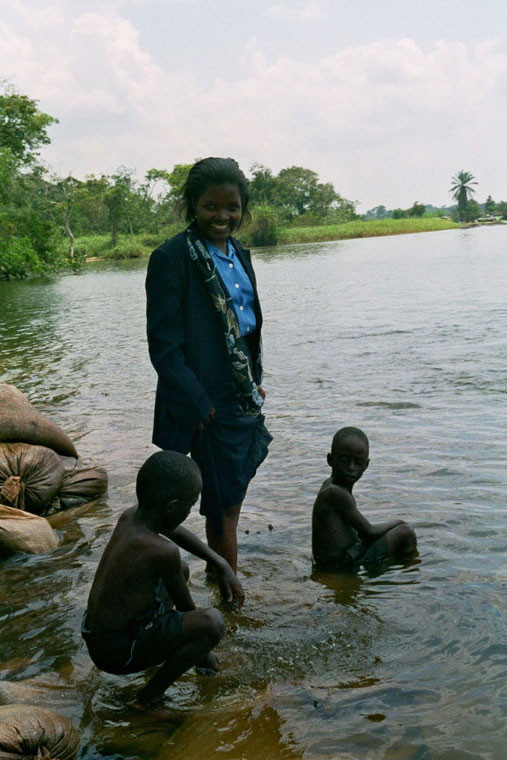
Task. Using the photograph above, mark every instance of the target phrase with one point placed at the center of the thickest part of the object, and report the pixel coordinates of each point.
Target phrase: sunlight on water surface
(404, 337)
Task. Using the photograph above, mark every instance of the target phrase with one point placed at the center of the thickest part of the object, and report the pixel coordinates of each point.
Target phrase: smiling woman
(204, 334)
(218, 213)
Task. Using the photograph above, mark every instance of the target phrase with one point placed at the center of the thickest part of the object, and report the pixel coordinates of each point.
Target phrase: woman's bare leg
(227, 544)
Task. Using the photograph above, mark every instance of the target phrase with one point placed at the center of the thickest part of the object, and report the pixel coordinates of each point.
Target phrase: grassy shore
(93, 247)
(96, 247)
(360, 228)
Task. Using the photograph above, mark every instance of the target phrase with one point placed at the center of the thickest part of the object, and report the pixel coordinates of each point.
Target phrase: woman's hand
(262, 392)
(202, 425)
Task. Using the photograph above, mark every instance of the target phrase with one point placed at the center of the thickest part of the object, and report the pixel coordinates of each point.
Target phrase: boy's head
(168, 483)
(349, 456)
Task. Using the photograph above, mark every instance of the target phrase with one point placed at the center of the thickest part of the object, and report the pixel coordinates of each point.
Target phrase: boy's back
(127, 580)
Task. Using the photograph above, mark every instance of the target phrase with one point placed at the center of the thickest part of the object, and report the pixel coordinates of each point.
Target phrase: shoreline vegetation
(361, 228)
(91, 248)
(50, 223)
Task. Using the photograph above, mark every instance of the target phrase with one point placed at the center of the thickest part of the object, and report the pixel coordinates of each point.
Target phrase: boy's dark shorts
(349, 561)
(150, 642)
(376, 552)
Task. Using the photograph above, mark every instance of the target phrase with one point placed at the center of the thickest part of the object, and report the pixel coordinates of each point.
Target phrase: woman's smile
(218, 213)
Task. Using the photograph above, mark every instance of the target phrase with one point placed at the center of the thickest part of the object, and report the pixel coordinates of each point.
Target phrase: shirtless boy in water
(140, 612)
(342, 538)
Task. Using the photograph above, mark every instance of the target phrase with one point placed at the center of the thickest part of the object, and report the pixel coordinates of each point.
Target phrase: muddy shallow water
(404, 337)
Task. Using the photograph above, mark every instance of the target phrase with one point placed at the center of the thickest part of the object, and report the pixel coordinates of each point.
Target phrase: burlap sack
(22, 532)
(34, 733)
(80, 486)
(40, 471)
(20, 422)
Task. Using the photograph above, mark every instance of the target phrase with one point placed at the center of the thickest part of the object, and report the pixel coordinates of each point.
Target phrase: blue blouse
(237, 283)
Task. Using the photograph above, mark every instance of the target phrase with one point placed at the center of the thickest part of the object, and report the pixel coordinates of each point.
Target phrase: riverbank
(361, 228)
(97, 247)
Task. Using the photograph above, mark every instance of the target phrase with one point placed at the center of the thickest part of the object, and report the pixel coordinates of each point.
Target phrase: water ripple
(405, 337)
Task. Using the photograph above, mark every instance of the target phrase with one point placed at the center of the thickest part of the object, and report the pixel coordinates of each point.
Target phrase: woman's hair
(213, 171)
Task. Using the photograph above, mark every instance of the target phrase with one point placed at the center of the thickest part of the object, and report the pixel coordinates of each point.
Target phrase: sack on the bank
(22, 532)
(20, 422)
(40, 471)
(34, 733)
(80, 486)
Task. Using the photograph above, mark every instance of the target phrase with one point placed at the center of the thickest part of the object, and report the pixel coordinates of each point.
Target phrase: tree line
(44, 218)
(467, 209)
(39, 210)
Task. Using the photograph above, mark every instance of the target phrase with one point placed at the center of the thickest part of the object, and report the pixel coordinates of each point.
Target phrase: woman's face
(218, 213)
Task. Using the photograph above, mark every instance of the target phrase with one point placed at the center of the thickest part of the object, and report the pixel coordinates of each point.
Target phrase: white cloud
(390, 111)
(303, 13)
(35, 18)
(381, 121)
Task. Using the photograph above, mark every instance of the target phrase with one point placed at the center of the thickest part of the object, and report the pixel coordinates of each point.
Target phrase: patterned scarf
(250, 400)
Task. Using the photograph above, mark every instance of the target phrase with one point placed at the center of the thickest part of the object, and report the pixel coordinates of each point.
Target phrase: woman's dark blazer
(187, 345)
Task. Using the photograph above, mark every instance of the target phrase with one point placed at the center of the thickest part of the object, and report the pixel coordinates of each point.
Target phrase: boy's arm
(345, 505)
(230, 587)
(169, 569)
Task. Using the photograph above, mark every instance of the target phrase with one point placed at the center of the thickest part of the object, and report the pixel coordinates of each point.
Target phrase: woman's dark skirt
(228, 451)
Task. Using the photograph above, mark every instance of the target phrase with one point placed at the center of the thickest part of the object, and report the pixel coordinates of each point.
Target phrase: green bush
(27, 244)
(263, 229)
(129, 248)
(42, 234)
(18, 259)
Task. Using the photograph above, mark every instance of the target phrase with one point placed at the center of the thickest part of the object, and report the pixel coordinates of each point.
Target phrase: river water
(404, 337)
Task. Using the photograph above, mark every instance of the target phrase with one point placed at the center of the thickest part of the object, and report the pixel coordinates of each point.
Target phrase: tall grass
(361, 228)
(141, 245)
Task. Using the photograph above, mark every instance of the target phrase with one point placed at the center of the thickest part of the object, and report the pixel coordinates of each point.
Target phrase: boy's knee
(185, 570)
(213, 624)
(407, 537)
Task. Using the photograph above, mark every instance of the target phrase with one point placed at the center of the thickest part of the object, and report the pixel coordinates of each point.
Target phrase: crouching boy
(140, 612)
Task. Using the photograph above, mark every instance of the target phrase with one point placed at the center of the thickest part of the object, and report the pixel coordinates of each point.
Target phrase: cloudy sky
(386, 99)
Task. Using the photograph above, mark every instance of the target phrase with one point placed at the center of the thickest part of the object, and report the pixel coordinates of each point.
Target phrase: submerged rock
(250, 732)
(15, 692)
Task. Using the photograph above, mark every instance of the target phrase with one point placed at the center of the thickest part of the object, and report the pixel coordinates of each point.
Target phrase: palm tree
(461, 191)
